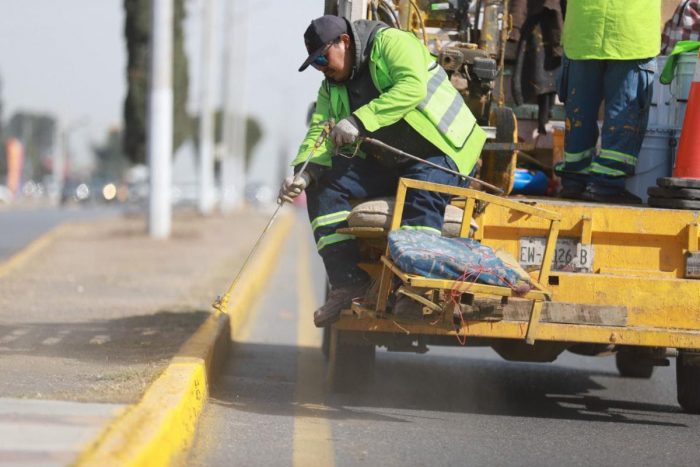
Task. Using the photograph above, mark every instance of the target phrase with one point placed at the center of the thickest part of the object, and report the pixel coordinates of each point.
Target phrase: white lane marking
(14, 335)
(56, 339)
(100, 339)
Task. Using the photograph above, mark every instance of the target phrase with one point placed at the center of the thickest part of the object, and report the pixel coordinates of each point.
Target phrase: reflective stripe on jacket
(411, 86)
(612, 29)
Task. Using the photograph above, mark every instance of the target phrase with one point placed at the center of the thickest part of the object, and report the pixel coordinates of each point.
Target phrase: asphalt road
(19, 227)
(452, 406)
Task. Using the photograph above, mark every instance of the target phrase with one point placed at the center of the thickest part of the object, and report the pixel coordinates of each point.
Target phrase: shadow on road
(109, 360)
(261, 378)
(133, 339)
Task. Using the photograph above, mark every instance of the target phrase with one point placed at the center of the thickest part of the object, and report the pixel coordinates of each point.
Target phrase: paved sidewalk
(97, 313)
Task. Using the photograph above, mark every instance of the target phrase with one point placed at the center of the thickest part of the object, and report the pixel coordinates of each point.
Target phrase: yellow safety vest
(411, 87)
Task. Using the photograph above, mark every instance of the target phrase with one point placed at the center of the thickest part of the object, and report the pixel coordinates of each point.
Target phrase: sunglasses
(322, 60)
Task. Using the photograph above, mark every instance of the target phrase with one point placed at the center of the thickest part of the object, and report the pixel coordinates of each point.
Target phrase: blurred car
(75, 192)
(94, 191)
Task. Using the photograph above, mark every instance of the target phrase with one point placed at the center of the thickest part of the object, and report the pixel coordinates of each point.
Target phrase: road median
(159, 429)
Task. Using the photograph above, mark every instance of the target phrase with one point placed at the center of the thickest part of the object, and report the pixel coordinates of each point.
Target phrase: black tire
(688, 382)
(632, 364)
(326, 342)
(350, 362)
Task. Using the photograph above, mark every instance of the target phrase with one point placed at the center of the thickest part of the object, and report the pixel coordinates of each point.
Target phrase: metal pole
(160, 120)
(59, 165)
(233, 163)
(206, 115)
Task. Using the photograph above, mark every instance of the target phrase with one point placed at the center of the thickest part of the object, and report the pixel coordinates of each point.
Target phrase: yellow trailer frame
(639, 264)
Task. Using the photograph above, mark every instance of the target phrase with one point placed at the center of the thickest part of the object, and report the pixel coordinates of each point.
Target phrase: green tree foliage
(137, 30)
(253, 133)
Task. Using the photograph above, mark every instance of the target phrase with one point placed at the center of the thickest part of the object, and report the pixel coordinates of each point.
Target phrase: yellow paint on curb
(160, 428)
(30, 251)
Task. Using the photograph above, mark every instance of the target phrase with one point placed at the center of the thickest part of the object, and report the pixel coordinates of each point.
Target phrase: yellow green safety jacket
(612, 29)
(413, 87)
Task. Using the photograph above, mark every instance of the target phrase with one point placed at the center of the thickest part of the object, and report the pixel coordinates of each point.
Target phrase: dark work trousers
(626, 87)
(328, 204)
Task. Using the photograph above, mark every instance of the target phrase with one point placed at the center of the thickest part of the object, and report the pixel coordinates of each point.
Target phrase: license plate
(569, 255)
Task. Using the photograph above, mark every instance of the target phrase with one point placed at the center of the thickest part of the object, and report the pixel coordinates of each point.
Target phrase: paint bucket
(680, 87)
(530, 182)
(654, 161)
(661, 110)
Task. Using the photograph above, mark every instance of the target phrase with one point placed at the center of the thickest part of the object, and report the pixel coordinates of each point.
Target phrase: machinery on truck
(605, 279)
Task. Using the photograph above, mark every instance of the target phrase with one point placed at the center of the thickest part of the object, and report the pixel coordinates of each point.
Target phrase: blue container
(530, 182)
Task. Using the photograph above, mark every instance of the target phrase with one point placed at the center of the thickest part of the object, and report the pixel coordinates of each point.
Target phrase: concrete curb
(160, 428)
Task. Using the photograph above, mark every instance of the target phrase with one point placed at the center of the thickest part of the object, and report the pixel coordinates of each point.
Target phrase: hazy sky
(67, 58)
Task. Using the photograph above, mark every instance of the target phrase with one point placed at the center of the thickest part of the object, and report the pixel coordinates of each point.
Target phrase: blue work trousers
(328, 204)
(626, 88)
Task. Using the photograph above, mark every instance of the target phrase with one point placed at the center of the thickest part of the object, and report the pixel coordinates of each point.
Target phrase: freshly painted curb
(159, 429)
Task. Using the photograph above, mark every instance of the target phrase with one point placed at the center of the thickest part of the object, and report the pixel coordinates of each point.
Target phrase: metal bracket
(413, 294)
(586, 230)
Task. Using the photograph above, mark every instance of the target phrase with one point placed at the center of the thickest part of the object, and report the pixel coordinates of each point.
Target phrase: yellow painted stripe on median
(313, 443)
(160, 428)
(28, 252)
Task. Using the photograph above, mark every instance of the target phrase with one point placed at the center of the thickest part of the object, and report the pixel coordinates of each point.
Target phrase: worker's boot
(338, 299)
(610, 195)
(572, 186)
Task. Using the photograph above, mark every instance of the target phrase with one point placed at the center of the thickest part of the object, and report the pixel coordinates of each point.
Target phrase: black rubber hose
(389, 13)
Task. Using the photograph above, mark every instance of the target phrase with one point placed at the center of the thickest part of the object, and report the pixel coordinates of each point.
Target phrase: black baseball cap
(320, 32)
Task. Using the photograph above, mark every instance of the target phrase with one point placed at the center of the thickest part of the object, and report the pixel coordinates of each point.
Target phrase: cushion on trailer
(428, 255)
(378, 212)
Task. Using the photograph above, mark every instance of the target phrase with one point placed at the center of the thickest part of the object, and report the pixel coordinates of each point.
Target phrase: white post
(206, 114)
(233, 163)
(160, 120)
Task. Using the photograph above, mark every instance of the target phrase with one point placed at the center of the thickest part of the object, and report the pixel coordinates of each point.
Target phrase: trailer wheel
(632, 364)
(350, 361)
(326, 342)
(688, 382)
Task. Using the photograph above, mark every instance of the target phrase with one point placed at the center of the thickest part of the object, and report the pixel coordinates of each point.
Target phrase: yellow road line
(241, 304)
(28, 252)
(313, 443)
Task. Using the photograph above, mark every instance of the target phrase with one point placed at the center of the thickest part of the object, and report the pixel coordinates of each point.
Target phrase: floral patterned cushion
(429, 255)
